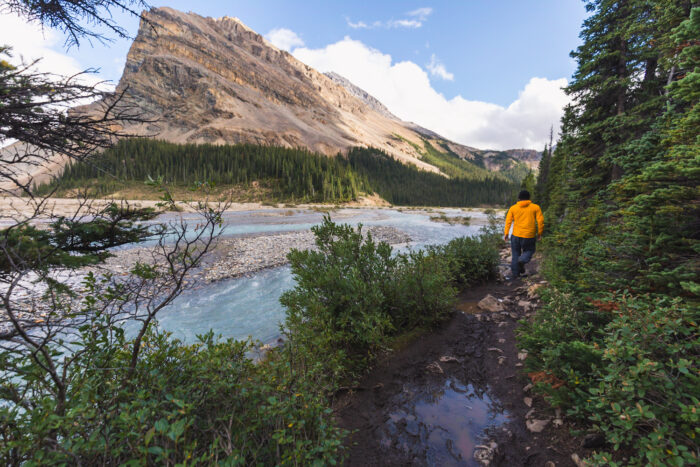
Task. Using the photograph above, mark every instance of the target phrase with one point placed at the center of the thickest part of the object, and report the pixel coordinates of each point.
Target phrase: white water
(249, 306)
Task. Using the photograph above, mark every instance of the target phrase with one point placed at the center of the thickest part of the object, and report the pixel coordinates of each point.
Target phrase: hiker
(523, 216)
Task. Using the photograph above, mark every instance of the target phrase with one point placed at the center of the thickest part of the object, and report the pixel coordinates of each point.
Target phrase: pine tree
(621, 179)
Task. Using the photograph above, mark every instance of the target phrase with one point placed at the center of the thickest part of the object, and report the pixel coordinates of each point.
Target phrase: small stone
(501, 360)
(501, 341)
(577, 460)
(522, 355)
(532, 290)
(557, 422)
(518, 365)
(513, 315)
(484, 454)
(528, 401)
(536, 426)
(501, 324)
(550, 464)
(494, 349)
(530, 413)
(527, 387)
(490, 303)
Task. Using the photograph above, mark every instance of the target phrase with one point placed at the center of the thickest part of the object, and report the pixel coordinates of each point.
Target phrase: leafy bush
(186, 404)
(338, 308)
(422, 295)
(353, 294)
(473, 259)
(629, 367)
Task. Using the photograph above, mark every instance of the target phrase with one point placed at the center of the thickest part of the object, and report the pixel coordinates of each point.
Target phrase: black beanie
(523, 195)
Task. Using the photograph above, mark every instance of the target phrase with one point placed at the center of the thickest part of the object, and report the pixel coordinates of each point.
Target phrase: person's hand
(539, 237)
(505, 238)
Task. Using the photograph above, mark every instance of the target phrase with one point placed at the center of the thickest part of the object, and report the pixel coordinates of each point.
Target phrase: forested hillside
(288, 174)
(622, 254)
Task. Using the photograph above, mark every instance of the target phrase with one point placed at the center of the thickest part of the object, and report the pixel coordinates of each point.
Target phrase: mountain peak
(215, 80)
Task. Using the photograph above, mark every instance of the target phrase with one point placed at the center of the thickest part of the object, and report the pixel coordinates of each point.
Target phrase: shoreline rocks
(246, 255)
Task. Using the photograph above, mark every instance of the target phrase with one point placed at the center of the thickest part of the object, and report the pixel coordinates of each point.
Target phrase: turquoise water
(249, 306)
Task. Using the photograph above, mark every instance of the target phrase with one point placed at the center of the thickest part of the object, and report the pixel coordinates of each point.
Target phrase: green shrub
(353, 294)
(472, 259)
(629, 365)
(423, 295)
(187, 404)
(338, 307)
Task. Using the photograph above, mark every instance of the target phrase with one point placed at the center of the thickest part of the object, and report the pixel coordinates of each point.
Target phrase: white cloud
(357, 25)
(284, 39)
(404, 23)
(404, 87)
(29, 42)
(421, 13)
(436, 68)
(415, 20)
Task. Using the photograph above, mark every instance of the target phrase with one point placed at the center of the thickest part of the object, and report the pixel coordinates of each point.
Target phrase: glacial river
(249, 306)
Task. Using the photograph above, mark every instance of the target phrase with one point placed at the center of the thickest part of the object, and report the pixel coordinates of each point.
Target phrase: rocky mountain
(361, 94)
(215, 80)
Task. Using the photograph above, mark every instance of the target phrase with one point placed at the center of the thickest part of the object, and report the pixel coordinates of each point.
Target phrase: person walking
(528, 223)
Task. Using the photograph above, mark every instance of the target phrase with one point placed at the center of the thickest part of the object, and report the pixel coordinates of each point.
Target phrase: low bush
(203, 403)
(472, 259)
(629, 369)
(339, 307)
(353, 294)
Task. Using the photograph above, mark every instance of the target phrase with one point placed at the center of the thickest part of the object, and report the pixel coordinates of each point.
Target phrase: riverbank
(242, 255)
(13, 209)
(239, 256)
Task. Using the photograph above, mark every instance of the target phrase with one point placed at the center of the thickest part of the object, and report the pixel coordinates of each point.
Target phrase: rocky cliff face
(529, 157)
(217, 81)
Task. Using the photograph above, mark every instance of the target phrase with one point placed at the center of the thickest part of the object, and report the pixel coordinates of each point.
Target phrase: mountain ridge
(215, 80)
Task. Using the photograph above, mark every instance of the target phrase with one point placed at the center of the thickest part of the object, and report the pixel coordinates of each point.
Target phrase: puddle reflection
(441, 425)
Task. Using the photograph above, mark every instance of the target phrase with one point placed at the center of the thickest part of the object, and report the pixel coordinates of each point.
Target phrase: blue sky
(477, 51)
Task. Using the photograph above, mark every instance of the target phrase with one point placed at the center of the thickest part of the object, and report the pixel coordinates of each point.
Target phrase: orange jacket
(523, 215)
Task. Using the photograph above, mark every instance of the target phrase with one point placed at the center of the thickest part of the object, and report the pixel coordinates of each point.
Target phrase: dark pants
(522, 250)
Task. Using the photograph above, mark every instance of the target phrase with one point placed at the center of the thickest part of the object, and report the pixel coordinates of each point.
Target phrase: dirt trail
(458, 395)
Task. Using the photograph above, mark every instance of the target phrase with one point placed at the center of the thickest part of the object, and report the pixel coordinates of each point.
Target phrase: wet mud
(456, 395)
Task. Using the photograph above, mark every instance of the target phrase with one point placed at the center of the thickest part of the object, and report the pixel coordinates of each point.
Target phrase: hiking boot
(521, 269)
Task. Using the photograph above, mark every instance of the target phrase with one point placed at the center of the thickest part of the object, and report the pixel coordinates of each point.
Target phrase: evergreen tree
(615, 139)
(528, 182)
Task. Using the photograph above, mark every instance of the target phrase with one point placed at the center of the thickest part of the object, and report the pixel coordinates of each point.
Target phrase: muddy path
(458, 395)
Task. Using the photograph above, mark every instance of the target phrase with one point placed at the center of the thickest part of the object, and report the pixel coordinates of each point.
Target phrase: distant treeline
(289, 174)
(406, 185)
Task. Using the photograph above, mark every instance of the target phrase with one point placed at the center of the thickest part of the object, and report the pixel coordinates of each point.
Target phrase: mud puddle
(441, 423)
(456, 395)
